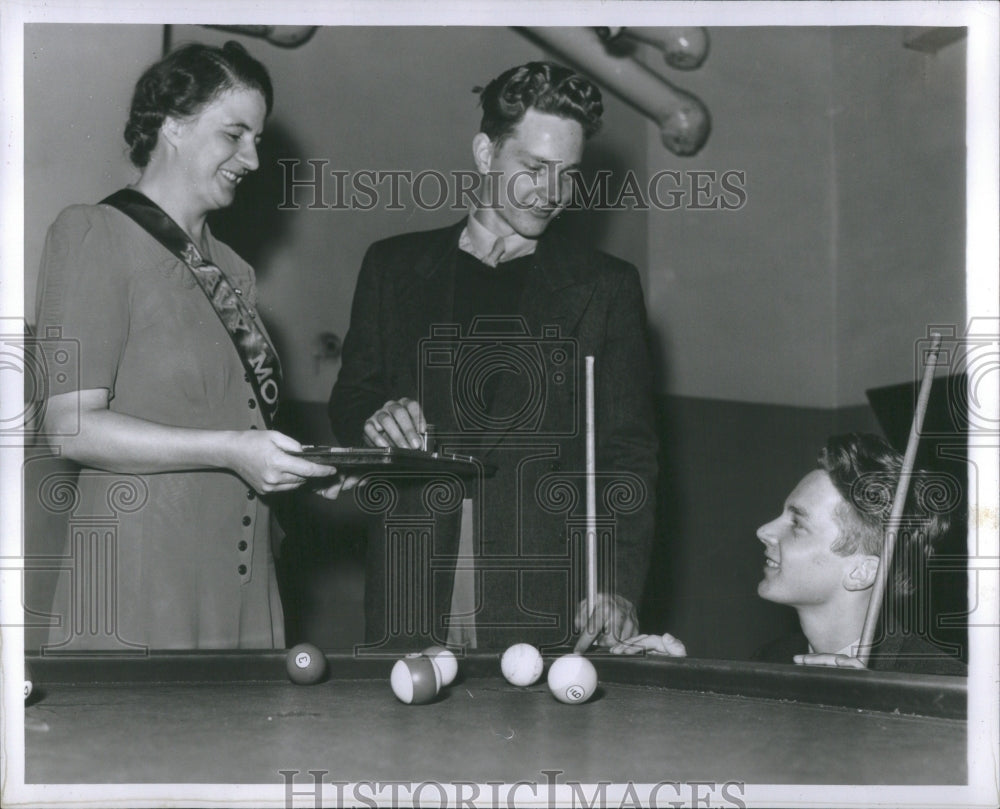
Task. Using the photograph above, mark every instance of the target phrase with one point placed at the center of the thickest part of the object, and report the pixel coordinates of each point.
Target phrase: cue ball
(521, 664)
(306, 664)
(446, 662)
(29, 681)
(572, 679)
(415, 679)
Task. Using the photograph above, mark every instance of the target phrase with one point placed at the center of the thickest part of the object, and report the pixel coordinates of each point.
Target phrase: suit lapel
(427, 306)
(555, 294)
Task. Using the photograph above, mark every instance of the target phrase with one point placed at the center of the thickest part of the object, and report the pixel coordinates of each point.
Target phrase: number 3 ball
(306, 664)
(415, 679)
(572, 679)
(446, 662)
(521, 664)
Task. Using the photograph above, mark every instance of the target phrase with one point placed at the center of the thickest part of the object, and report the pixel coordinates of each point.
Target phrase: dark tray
(354, 460)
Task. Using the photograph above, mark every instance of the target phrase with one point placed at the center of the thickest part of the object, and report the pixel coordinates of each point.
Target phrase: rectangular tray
(360, 460)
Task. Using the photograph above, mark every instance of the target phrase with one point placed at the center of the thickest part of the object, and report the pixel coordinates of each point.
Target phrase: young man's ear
(861, 575)
(482, 152)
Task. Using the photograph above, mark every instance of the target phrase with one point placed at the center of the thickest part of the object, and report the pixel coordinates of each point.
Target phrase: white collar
(479, 241)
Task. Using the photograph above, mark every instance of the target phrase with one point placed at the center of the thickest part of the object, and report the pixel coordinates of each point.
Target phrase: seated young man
(821, 557)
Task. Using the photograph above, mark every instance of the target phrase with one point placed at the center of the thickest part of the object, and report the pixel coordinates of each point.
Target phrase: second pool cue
(591, 544)
(898, 505)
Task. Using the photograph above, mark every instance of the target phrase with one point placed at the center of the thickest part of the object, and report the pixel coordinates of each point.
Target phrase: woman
(177, 379)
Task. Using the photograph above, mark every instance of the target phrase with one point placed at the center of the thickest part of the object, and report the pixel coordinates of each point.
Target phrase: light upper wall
(900, 183)
(359, 98)
(851, 242)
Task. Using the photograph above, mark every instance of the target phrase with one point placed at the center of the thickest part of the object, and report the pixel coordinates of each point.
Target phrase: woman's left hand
(344, 483)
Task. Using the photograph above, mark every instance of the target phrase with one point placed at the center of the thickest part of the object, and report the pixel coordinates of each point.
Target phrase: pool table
(235, 718)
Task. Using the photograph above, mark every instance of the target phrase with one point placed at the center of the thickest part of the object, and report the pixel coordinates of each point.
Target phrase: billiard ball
(521, 664)
(445, 661)
(29, 680)
(415, 679)
(572, 679)
(306, 664)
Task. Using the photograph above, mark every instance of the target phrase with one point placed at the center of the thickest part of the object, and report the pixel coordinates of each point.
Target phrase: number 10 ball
(572, 679)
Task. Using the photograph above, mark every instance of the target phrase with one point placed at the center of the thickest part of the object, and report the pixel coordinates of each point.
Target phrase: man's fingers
(585, 641)
(374, 433)
(634, 645)
(826, 659)
(672, 646)
(593, 626)
(416, 414)
(399, 425)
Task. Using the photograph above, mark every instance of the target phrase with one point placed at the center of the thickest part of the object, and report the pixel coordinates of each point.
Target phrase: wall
(75, 107)
(773, 320)
(899, 177)
(741, 299)
(852, 238)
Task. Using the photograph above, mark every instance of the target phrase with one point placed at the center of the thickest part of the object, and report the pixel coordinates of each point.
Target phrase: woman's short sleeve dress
(172, 560)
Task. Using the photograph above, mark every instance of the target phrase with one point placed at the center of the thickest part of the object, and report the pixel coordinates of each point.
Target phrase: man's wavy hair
(542, 86)
(865, 470)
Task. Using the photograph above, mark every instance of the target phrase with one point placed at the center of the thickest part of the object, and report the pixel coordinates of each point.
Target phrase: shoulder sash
(256, 352)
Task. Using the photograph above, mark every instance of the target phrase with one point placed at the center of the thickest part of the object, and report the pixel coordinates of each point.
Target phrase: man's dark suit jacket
(575, 302)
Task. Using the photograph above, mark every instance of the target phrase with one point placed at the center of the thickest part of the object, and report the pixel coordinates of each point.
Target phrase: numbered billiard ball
(521, 664)
(306, 664)
(415, 679)
(572, 679)
(446, 662)
(29, 681)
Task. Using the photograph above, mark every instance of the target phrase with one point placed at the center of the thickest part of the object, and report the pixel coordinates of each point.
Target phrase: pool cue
(591, 493)
(898, 504)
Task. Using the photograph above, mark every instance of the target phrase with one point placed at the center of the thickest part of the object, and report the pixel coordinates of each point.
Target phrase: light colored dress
(172, 560)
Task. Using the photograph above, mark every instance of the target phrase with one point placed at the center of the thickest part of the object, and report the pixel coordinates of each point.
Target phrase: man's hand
(397, 423)
(653, 644)
(827, 659)
(613, 619)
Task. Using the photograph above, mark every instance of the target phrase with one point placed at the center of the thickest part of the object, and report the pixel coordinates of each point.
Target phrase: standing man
(481, 329)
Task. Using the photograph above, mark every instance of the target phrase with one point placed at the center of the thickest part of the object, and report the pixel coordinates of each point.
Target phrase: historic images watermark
(313, 185)
(549, 791)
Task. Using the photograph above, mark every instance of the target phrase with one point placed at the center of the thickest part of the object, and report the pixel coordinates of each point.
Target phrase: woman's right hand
(261, 458)
(83, 429)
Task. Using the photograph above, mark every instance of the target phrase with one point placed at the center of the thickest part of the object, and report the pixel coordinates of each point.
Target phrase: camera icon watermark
(502, 380)
(35, 364)
(972, 361)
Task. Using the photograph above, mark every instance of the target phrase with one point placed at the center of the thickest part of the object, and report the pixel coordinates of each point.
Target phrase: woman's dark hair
(544, 86)
(182, 83)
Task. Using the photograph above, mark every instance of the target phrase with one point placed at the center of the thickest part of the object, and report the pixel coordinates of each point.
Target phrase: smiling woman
(178, 381)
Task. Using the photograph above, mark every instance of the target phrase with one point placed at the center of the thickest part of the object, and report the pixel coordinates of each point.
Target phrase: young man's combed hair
(542, 86)
(865, 470)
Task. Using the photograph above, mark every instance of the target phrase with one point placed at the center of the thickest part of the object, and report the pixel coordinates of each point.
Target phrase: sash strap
(258, 356)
